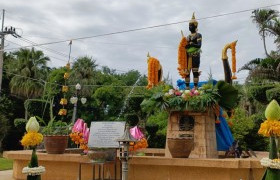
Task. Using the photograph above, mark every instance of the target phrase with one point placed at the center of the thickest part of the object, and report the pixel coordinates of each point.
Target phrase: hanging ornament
(73, 100)
(83, 100)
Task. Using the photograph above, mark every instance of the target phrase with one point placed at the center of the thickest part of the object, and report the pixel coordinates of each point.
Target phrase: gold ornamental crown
(193, 20)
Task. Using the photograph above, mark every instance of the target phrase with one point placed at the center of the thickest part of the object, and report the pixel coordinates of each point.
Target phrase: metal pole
(74, 112)
(125, 163)
(2, 50)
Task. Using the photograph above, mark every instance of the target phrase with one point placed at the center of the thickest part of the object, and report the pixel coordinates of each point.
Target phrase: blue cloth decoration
(223, 134)
(182, 85)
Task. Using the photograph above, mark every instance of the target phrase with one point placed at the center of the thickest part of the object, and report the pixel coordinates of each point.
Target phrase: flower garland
(80, 134)
(233, 53)
(271, 163)
(182, 58)
(64, 89)
(153, 68)
(141, 144)
(34, 171)
(142, 141)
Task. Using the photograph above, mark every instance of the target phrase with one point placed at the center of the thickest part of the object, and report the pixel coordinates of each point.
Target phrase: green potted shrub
(56, 135)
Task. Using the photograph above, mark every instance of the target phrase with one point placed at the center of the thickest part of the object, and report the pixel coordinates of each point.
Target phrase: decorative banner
(104, 134)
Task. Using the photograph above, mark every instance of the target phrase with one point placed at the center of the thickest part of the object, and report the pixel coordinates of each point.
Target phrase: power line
(70, 85)
(48, 49)
(118, 70)
(150, 27)
(36, 48)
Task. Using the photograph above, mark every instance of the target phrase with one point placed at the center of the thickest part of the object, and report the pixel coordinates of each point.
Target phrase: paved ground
(6, 175)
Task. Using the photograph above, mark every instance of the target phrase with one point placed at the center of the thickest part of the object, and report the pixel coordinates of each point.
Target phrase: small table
(100, 169)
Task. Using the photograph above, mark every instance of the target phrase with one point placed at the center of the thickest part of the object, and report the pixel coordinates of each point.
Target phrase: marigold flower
(62, 112)
(65, 89)
(270, 128)
(63, 101)
(66, 75)
(31, 139)
(68, 66)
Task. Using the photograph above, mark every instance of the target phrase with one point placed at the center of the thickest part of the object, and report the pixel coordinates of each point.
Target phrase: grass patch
(5, 164)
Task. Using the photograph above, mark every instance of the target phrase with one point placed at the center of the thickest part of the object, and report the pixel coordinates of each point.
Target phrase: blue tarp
(223, 134)
(182, 85)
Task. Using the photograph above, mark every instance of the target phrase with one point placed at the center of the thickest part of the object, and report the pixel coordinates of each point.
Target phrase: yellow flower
(62, 112)
(67, 66)
(31, 139)
(66, 75)
(63, 101)
(65, 89)
(270, 128)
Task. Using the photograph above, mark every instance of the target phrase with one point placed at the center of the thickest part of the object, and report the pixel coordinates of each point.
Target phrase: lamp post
(124, 143)
(74, 100)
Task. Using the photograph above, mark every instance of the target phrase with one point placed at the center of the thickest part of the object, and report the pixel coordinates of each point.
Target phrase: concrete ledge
(193, 162)
(60, 166)
(66, 166)
(161, 168)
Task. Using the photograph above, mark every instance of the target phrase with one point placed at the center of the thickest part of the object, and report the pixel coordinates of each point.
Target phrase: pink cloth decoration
(78, 126)
(136, 133)
(85, 132)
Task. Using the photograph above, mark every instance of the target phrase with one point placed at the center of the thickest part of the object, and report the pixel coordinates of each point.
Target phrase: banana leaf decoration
(228, 95)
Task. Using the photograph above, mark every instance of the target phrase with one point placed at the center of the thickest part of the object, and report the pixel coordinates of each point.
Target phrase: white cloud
(45, 21)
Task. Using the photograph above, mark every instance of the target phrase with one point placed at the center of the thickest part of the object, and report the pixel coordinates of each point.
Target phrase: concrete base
(59, 166)
(159, 168)
(153, 167)
(203, 133)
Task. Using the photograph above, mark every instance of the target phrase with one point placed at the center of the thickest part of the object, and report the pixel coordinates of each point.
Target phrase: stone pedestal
(203, 132)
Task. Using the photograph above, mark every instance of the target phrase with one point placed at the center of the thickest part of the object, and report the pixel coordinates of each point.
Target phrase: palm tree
(262, 69)
(84, 72)
(264, 18)
(28, 72)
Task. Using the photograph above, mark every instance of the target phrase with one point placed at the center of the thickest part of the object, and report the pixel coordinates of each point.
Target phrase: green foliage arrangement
(166, 98)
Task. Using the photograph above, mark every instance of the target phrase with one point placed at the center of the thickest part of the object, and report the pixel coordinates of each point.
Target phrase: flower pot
(101, 155)
(179, 147)
(56, 144)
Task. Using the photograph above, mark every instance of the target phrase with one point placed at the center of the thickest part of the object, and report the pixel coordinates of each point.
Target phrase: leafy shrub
(132, 119)
(245, 130)
(155, 140)
(259, 92)
(3, 128)
(273, 93)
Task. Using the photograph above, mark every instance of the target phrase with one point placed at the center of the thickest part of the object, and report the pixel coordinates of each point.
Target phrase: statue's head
(193, 24)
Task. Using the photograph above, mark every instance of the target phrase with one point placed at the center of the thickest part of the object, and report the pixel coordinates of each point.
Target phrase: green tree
(264, 19)
(84, 72)
(28, 72)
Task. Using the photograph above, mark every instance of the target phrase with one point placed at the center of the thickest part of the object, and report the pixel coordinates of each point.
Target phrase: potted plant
(56, 136)
(55, 133)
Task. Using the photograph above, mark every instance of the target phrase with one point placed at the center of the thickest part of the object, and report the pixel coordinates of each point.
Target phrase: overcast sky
(50, 20)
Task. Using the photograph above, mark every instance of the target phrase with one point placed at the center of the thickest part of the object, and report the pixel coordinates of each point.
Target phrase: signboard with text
(104, 134)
